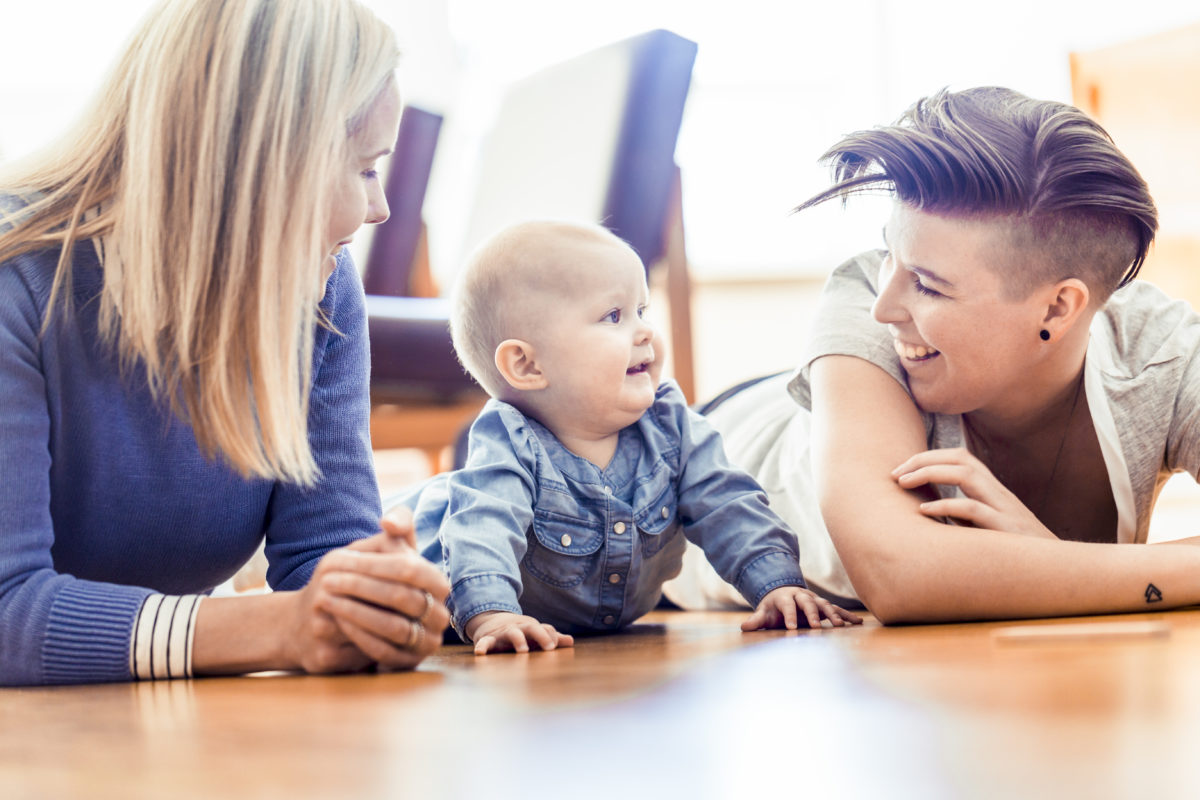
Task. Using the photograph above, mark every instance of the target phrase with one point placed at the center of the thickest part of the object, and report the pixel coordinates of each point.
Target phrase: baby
(584, 475)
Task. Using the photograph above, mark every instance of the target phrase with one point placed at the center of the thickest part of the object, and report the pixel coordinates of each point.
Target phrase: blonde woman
(183, 362)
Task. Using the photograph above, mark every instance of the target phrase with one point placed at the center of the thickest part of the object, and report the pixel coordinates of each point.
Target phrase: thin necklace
(1061, 445)
(973, 434)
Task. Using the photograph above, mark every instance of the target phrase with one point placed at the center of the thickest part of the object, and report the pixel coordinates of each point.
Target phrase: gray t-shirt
(1141, 378)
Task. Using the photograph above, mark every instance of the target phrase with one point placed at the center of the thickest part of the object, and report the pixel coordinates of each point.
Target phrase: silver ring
(428, 607)
(416, 635)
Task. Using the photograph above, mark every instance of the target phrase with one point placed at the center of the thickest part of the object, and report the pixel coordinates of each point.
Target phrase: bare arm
(235, 635)
(909, 568)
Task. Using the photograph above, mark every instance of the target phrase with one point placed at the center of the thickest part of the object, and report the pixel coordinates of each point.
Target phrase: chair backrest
(394, 244)
(640, 186)
(590, 138)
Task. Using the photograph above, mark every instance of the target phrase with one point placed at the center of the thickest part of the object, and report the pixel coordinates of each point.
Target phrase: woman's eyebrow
(930, 276)
(924, 273)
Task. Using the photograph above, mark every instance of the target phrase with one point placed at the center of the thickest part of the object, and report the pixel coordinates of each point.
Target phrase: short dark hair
(1044, 167)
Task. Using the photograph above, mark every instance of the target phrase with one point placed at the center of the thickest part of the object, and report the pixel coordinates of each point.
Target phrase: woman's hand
(376, 601)
(988, 502)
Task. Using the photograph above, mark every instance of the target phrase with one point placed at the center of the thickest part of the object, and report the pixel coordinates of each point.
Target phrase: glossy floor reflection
(681, 705)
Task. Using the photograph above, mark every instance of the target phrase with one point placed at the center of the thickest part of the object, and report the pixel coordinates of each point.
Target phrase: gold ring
(416, 635)
(428, 607)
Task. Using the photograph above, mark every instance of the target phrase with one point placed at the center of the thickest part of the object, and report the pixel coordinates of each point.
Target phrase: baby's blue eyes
(614, 316)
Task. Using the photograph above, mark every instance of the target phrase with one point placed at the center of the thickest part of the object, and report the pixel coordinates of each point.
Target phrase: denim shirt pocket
(656, 515)
(563, 549)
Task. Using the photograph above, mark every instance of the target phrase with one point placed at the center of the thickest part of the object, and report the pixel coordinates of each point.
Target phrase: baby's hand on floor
(497, 631)
(781, 608)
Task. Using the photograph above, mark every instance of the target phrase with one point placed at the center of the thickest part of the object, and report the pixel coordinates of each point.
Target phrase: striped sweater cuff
(88, 633)
(162, 637)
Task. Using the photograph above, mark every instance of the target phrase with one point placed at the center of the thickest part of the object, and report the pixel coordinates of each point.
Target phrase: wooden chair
(592, 138)
(419, 396)
(398, 262)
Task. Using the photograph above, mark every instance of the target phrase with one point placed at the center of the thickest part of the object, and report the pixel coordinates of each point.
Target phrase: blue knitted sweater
(105, 496)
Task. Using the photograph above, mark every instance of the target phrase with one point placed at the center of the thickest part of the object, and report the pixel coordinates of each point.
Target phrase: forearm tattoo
(1153, 595)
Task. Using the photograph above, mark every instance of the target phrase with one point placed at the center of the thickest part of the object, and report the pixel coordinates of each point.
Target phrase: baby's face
(595, 346)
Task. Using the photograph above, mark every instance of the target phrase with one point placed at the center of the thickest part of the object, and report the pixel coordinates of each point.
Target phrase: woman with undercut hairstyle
(989, 403)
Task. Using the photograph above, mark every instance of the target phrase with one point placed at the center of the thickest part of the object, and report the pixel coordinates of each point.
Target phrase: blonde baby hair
(505, 269)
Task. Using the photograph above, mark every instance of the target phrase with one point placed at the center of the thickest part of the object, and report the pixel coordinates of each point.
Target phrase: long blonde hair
(209, 156)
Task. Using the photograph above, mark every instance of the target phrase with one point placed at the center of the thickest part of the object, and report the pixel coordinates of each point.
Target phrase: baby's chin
(642, 403)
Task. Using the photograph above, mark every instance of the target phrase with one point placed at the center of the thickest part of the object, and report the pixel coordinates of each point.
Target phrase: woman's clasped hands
(376, 602)
(986, 502)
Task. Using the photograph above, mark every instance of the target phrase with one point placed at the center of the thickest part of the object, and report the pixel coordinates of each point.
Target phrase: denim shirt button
(566, 540)
(666, 512)
(619, 527)
(614, 578)
(610, 619)
(608, 490)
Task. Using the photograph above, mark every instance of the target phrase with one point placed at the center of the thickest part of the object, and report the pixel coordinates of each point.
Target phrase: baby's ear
(516, 363)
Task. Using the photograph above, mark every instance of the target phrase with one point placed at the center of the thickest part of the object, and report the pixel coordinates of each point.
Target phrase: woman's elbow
(883, 585)
(14, 674)
(884, 601)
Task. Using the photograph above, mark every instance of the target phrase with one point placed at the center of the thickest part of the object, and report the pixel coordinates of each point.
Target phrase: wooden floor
(683, 705)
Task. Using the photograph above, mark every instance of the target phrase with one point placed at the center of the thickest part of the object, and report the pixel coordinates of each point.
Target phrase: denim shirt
(531, 528)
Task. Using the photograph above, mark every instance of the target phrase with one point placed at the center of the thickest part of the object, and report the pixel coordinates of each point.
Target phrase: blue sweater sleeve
(195, 520)
(53, 628)
(304, 524)
(723, 510)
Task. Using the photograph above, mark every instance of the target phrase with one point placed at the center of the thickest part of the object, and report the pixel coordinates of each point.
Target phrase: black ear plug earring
(1045, 334)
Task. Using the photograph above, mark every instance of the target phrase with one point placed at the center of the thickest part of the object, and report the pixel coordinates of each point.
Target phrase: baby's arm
(725, 512)
(780, 607)
(482, 521)
(480, 514)
(497, 631)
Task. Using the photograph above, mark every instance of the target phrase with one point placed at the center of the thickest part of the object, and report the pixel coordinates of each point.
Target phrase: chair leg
(430, 428)
(420, 278)
(679, 293)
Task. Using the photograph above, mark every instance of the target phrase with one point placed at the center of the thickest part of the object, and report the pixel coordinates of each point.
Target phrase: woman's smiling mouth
(914, 352)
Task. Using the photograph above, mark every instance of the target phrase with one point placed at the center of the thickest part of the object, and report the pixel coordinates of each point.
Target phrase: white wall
(776, 81)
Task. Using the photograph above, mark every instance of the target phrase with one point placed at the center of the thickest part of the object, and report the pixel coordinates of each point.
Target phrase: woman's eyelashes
(888, 265)
(923, 289)
(370, 174)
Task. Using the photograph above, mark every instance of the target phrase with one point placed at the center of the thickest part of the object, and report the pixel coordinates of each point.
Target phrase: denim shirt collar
(560, 465)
